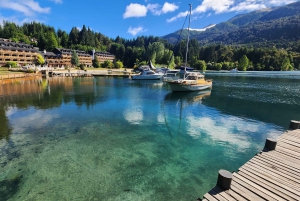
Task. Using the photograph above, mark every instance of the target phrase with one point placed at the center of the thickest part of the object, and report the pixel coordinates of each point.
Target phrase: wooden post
(294, 125)
(270, 144)
(224, 179)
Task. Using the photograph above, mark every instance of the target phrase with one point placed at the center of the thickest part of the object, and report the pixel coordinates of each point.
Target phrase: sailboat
(192, 81)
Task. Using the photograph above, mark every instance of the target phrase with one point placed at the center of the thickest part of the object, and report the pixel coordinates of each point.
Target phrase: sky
(128, 18)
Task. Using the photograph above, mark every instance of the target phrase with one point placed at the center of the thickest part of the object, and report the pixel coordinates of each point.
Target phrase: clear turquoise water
(118, 139)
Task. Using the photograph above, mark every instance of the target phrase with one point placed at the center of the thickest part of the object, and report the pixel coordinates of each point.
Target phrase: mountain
(279, 25)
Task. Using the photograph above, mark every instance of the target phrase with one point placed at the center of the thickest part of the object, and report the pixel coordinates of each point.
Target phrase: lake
(121, 139)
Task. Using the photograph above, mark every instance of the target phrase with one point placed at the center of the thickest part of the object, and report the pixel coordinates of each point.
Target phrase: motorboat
(184, 69)
(191, 81)
(194, 81)
(235, 70)
(171, 75)
(147, 75)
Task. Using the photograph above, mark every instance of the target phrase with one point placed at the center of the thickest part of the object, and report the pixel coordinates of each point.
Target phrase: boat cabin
(194, 76)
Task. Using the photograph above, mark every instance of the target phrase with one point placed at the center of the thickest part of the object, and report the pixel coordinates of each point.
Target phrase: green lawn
(5, 71)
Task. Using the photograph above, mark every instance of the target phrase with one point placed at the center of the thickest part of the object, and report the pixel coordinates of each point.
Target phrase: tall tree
(74, 36)
(83, 36)
(286, 65)
(51, 41)
(96, 62)
(74, 58)
(243, 63)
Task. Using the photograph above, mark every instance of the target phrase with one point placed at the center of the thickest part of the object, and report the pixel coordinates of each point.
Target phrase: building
(25, 54)
(21, 53)
(103, 56)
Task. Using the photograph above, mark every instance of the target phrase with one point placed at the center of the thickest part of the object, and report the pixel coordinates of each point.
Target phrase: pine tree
(51, 41)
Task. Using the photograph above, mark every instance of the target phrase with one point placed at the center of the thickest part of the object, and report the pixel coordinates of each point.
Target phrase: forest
(140, 50)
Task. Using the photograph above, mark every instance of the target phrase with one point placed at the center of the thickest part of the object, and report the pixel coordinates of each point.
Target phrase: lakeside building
(25, 54)
(21, 53)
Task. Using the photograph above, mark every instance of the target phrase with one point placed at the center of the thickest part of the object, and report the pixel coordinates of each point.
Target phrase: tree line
(142, 49)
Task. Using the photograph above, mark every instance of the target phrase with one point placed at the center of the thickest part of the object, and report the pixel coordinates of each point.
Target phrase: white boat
(234, 70)
(171, 75)
(148, 75)
(192, 81)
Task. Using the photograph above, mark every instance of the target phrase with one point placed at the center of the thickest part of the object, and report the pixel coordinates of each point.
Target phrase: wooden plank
(283, 193)
(216, 195)
(289, 137)
(239, 189)
(268, 174)
(281, 161)
(272, 180)
(258, 189)
(290, 142)
(283, 156)
(209, 197)
(292, 134)
(269, 167)
(223, 193)
(288, 152)
(287, 146)
(249, 191)
(235, 195)
(278, 166)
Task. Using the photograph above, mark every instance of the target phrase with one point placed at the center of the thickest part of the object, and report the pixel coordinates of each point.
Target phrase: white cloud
(247, 6)
(279, 2)
(28, 8)
(135, 10)
(135, 31)
(155, 9)
(215, 5)
(180, 15)
(26, 11)
(138, 10)
(168, 7)
(223, 6)
(57, 1)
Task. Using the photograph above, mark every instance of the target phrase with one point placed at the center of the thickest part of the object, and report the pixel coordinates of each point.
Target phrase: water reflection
(188, 97)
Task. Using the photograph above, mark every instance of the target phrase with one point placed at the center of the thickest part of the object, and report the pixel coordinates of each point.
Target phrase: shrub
(81, 66)
(11, 64)
(30, 71)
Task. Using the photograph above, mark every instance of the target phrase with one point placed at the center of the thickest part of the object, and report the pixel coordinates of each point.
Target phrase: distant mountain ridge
(271, 25)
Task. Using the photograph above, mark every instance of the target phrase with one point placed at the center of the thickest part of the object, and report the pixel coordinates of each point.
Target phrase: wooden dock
(273, 174)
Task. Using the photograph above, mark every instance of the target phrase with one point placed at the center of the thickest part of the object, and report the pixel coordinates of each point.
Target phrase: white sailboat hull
(146, 77)
(188, 87)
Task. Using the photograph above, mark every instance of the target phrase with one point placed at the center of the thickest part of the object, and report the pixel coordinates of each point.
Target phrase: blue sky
(128, 18)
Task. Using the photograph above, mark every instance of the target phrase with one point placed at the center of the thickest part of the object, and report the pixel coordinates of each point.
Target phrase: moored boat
(147, 75)
(192, 81)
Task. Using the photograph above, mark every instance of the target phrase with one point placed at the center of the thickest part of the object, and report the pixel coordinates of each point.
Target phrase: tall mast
(188, 38)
